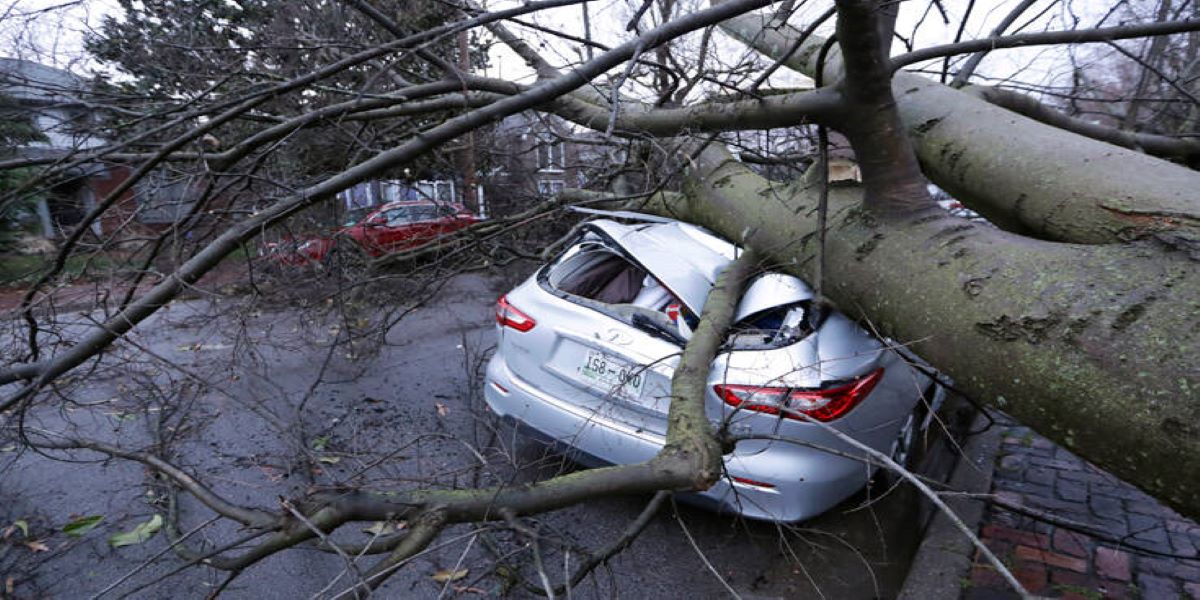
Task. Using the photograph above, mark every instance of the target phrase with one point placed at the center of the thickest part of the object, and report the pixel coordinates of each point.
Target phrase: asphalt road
(390, 412)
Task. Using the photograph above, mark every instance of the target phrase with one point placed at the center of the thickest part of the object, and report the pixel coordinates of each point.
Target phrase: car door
(366, 232)
(392, 235)
(425, 225)
(452, 220)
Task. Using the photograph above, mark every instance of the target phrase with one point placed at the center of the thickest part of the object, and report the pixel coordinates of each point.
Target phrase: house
(377, 192)
(52, 99)
(535, 155)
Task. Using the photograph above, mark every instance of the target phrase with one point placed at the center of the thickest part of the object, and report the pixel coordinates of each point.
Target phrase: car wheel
(347, 261)
(904, 448)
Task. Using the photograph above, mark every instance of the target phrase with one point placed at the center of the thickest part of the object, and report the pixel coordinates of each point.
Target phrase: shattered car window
(601, 276)
(771, 328)
(615, 285)
(623, 290)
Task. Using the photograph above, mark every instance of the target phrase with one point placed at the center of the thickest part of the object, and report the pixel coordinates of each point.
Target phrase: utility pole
(587, 31)
(471, 195)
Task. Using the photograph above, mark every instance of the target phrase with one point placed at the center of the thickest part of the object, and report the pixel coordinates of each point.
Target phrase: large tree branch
(1075, 362)
(1024, 175)
(785, 110)
(890, 172)
(1187, 149)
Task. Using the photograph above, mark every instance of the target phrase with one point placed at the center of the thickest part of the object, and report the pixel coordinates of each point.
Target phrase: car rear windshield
(592, 274)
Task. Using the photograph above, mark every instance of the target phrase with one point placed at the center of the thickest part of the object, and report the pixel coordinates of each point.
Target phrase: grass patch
(17, 270)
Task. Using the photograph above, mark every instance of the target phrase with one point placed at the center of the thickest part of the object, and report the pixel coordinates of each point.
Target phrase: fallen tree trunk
(1093, 345)
(1026, 176)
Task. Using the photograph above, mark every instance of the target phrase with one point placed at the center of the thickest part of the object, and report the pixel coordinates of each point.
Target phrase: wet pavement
(207, 378)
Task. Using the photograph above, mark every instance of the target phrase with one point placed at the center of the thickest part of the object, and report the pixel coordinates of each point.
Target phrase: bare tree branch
(973, 61)
(1077, 36)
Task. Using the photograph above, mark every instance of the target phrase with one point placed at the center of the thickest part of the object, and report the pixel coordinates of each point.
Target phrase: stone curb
(944, 558)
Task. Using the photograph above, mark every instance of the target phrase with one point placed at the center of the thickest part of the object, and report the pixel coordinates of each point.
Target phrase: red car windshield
(354, 215)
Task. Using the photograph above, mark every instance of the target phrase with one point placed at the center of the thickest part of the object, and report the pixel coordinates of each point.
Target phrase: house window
(445, 191)
(357, 197)
(393, 191)
(441, 190)
(550, 187)
(550, 153)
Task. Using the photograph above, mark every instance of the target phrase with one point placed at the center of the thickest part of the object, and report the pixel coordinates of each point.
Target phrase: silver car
(588, 345)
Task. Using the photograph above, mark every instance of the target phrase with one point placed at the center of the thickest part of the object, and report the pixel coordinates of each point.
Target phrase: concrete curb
(943, 560)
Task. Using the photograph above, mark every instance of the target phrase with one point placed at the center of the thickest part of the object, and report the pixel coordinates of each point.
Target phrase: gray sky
(1034, 66)
(51, 32)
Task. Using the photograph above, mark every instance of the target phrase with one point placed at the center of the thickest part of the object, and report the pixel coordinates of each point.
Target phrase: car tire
(347, 261)
(904, 450)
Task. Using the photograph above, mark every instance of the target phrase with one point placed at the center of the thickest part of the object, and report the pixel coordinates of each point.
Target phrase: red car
(386, 229)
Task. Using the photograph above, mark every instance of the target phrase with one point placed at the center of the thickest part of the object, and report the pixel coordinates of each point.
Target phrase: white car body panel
(545, 380)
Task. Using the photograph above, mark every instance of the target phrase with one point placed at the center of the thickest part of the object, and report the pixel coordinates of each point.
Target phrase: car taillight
(801, 404)
(753, 482)
(507, 315)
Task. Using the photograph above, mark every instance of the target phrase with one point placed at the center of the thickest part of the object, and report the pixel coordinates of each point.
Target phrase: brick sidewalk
(1052, 560)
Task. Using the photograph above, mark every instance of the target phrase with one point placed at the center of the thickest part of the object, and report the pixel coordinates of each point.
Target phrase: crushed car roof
(687, 260)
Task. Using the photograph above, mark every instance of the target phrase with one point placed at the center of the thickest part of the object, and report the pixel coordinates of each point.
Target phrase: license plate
(613, 375)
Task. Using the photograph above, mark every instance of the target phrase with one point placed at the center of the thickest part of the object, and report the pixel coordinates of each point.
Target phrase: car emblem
(616, 336)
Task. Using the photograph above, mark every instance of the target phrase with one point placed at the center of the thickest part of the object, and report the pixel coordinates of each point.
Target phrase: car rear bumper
(806, 482)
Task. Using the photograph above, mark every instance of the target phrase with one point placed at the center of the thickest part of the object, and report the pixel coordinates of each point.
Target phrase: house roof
(31, 82)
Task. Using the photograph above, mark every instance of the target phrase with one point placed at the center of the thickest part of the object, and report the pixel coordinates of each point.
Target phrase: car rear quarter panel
(537, 356)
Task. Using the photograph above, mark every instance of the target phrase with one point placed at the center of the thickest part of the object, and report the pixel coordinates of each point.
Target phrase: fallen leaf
(271, 474)
(450, 575)
(137, 535)
(37, 546)
(441, 409)
(21, 524)
(329, 460)
(82, 525)
(384, 527)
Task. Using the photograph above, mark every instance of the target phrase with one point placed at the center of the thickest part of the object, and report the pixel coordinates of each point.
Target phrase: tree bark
(1092, 345)
(1026, 176)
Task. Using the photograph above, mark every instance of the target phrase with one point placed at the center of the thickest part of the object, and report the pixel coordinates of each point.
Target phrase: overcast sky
(1033, 66)
(51, 31)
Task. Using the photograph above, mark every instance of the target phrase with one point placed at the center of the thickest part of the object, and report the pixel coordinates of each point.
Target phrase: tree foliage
(176, 49)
